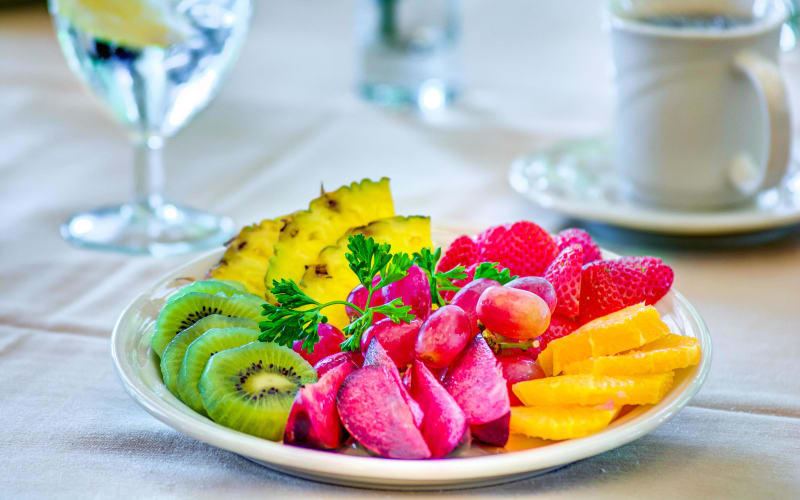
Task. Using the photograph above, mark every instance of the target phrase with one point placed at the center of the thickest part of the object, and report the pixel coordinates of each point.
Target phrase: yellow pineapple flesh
(560, 422)
(247, 255)
(668, 353)
(330, 277)
(619, 331)
(594, 390)
(327, 218)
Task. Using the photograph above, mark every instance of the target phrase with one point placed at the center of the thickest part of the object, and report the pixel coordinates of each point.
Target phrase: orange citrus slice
(559, 422)
(594, 390)
(619, 331)
(668, 353)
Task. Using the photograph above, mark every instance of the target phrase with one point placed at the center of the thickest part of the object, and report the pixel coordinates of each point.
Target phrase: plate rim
(378, 472)
(645, 218)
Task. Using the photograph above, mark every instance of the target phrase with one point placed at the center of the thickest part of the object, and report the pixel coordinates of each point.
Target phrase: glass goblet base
(147, 229)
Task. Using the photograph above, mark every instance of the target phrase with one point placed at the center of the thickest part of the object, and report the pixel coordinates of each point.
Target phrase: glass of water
(408, 52)
(154, 64)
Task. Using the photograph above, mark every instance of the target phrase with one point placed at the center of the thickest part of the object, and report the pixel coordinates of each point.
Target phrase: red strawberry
(641, 279)
(462, 251)
(559, 327)
(564, 274)
(524, 248)
(599, 294)
(448, 294)
(572, 236)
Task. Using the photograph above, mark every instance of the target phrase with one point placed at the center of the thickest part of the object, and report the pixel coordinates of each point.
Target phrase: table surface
(286, 120)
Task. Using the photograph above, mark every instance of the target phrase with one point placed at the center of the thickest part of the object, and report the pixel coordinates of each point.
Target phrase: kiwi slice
(185, 311)
(227, 288)
(199, 352)
(251, 388)
(173, 354)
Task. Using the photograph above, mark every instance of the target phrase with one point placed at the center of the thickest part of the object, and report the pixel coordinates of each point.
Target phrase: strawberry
(564, 274)
(641, 279)
(572, 236)
(462, 251)
(599, 294)
(523, 247)
(559, 327)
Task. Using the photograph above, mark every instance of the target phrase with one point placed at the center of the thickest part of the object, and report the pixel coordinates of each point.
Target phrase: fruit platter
(347, 344)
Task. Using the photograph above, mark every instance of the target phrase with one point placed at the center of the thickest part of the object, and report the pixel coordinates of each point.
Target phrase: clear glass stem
(148, 172)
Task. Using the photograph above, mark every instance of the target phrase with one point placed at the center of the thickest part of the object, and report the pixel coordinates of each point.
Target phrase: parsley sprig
(297, 316)
(439, 281)
(492, 271)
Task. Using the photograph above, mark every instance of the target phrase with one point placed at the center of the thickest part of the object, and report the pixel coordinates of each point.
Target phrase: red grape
(358, 296)
(519, 368)
(537, 285)
(443, 336)
(513, 313)
(467, 299)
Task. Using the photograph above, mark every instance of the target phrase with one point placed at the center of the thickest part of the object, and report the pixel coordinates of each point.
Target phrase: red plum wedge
(444, 425)
(377, 356)
(374, 413)
(314, 421)
(476, 382)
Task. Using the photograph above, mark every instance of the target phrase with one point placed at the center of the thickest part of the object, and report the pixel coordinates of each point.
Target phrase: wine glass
(154, 63)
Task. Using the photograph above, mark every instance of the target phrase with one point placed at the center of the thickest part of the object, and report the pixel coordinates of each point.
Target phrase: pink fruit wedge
(444, 424)
(377, 356)
(374, 413)
(476, 382)
(313, 420)
(397, 338)
(328, 363)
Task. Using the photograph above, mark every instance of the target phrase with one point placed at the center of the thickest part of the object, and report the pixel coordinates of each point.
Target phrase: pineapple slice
(619, 331)
(560, 422)
(247, 257)
(594, 390)
(668, 353)
(326, 219)
(330, 278)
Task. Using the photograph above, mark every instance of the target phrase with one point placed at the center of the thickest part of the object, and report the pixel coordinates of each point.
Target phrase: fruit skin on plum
(414, 290)
(331, 361)
(443, 336)
(397, 338)
(330, 339)
(513, 313)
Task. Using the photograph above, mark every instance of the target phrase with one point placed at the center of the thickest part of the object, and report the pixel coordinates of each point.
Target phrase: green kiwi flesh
(251, 388)
(228, 288)
(197, 355)
(186, 310)
(173, 355)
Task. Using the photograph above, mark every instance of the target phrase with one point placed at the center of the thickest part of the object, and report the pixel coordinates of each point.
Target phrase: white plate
(577, 178)
(138, 369)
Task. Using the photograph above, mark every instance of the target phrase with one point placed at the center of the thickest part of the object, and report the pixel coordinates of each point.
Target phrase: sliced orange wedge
(619, 331)
(594, 390)
(668, 353)
(559, 422)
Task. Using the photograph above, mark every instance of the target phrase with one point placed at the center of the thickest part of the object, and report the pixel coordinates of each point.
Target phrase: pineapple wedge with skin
(247, 255)
(327, 218)
(330, 277)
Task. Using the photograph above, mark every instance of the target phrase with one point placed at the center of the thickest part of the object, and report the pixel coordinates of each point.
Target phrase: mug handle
(768, 82)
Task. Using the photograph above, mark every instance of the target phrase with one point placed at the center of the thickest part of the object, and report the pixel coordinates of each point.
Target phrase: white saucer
(577, 178)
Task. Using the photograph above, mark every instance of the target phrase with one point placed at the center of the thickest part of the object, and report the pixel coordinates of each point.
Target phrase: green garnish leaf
(427, 260)
(491, 270)
(297, 316)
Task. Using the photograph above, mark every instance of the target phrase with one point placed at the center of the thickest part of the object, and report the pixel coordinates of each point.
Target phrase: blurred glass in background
(408, 52)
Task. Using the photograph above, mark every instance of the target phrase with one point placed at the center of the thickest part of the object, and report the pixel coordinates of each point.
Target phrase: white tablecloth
(287, 120)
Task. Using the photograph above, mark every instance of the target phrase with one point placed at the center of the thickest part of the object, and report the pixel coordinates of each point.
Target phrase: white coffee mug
(702, 116)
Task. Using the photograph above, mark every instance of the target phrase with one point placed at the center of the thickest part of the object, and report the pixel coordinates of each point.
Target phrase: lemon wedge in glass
(130, 23)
